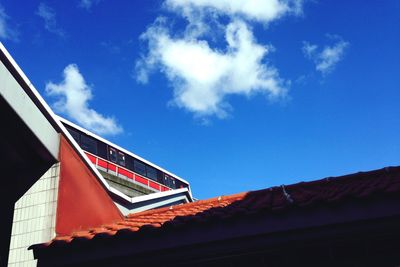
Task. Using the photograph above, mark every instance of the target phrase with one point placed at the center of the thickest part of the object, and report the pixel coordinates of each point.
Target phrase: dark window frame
(112, 152)
(121, 159)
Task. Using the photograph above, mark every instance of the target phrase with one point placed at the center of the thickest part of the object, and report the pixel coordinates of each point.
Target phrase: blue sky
(231, 95)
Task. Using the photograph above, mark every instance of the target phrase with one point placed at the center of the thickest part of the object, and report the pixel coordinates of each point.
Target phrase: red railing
(121, 171)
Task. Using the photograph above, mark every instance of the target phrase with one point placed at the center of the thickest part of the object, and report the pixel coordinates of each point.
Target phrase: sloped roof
(274, 200)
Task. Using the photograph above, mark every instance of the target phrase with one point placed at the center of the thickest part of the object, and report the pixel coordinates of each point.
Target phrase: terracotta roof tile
(274, 199)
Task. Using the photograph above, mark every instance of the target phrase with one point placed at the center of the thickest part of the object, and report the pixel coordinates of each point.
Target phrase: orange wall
(82, 200)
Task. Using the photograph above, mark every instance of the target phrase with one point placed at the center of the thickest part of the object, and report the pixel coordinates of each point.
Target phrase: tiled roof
(271, 200)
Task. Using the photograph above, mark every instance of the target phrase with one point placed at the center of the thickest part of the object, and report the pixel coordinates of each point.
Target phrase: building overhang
(29, 141)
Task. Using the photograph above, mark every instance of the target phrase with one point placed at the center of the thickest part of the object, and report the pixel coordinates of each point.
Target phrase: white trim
(28, 112)
(77, 148)
(158, 204)
(28, 83)
(55, 119)
(89, 163)
(119, 148)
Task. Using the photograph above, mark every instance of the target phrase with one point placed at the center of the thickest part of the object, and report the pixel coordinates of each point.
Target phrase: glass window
(101, 150)
(160, 177)
(151, 173)
(112, 154)
(89, 144)
(140, 168)
(173, 185)
(180, 184)
(169, 181)
(121, 158)
(129, 163)
(75, 134)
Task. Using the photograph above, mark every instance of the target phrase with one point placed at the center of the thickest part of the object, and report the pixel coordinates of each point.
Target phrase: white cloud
(258, 10)
(5, 31)
(49, 16)
(74, 95)
(326, 58)
(215, 54)
(87, 4)
(201, 76)
(204, 16)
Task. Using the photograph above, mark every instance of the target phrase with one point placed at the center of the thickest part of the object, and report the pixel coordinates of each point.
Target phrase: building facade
(51, 182)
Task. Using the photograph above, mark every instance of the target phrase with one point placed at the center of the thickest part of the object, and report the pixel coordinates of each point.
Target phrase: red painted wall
(82, 201)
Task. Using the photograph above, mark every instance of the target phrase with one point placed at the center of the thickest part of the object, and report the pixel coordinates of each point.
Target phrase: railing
(121, 171)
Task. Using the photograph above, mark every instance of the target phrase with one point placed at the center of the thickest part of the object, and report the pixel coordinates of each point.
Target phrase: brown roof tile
(274, 199)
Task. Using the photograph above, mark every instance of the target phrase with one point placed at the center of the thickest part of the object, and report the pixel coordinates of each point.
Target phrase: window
(169, 181)
(129, 163)
(140, 167)
(121, 159)
(151, 173)
(112, 154)
(75, 134)
(101, 150)
(173, 185)
(160, 176)
(89, 144)
(180, 184)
